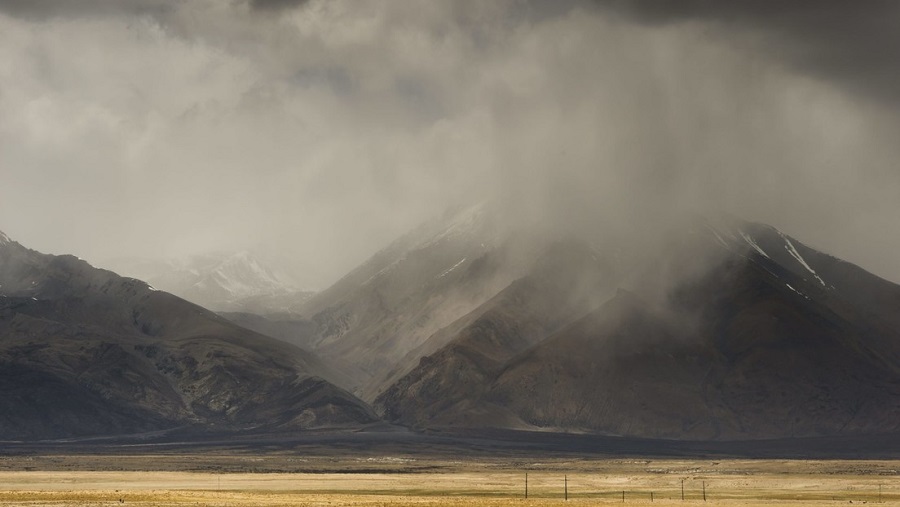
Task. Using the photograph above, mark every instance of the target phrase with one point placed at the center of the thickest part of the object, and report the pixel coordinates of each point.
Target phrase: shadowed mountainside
(771, 340)
(87, 352)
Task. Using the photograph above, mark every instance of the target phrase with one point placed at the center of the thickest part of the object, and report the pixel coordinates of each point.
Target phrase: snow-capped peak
(4, 239)
(215, 280)
(242, 275)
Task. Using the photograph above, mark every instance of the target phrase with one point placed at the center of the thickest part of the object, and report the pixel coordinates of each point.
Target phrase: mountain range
(715, 329)
(771, 339)
(84, 351)
(721, 329)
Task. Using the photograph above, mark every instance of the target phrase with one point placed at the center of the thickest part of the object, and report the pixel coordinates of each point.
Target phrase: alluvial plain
(414, 480)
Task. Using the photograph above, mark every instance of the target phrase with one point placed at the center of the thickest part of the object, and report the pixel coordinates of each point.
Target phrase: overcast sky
(323, 129)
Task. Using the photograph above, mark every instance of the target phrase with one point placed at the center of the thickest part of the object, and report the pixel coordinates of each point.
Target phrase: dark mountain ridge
(87, 352)
(754, 336)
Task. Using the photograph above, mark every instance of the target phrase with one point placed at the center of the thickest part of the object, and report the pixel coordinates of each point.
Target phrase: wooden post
(704, 491)
(566, 482)
(526, 485)
(651, 496)
(682, 490)
(623, 497)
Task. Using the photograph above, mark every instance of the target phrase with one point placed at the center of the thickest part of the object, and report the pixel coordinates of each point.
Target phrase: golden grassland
(476, 482)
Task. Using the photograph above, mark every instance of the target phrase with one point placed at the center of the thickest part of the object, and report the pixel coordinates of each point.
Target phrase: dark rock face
(86, 352)
(769, 339)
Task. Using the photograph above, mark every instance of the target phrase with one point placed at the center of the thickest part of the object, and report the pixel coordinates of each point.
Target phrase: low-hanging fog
(321, 130)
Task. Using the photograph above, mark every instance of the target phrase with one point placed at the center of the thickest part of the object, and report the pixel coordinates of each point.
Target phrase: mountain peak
(4, 239)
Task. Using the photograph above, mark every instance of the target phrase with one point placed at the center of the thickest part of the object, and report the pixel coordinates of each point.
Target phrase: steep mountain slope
(568, 281)
(234, 282)
(86, 352)
(370, 319)
(768, 338)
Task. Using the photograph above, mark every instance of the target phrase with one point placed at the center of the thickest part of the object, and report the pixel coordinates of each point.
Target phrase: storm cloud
(323, 129)
(276, 4)
(40, 10)
(856, 43)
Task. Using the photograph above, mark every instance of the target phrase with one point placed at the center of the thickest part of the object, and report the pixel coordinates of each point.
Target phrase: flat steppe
(293, 478)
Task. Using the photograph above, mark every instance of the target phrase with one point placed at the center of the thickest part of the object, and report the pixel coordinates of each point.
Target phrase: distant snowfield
(237, 281)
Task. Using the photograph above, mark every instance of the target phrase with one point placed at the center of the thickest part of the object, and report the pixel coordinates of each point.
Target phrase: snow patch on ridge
(445, 273)
(4, 239)
(750, 241)
(796, 255)
(795, 290)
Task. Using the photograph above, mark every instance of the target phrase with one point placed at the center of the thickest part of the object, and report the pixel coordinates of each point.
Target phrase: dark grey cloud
(44, 9)
(856, 43)
(276, 4)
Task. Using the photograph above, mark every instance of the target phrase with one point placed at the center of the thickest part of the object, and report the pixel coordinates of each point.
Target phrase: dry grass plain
(64, 481)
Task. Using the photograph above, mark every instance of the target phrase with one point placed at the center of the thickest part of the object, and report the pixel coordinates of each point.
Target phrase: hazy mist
(324, 129)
